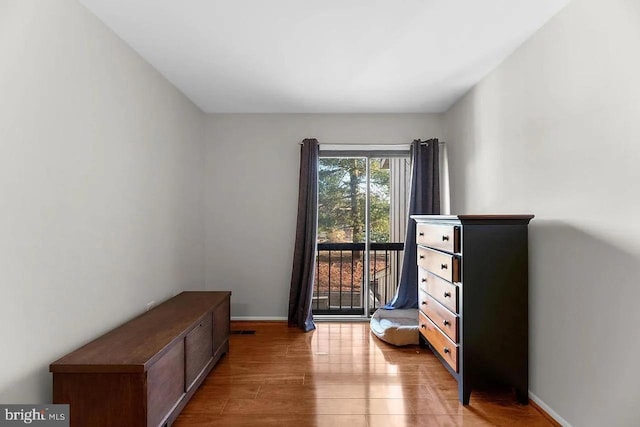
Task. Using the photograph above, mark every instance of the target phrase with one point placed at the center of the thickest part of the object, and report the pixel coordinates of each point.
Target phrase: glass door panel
(340, 274)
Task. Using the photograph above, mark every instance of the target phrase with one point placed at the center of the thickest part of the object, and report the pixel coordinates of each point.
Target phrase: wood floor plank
(286, 420)
(344, 391)
(408, 420)
(350, 406)
(236, 390)
(339, 375)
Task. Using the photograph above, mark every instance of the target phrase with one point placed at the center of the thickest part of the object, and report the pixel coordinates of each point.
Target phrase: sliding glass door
(362, 215)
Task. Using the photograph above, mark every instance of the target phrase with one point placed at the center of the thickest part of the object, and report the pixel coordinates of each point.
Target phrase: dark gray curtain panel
(302, 274)
(424, 199)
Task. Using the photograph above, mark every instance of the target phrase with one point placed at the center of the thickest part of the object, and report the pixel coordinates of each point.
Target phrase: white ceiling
(329, 56)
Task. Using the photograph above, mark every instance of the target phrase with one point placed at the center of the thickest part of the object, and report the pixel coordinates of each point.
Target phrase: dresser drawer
(443, 264)
(446, 320)
(439, 341)
(444, 292)
(443, 237)
(198, 349)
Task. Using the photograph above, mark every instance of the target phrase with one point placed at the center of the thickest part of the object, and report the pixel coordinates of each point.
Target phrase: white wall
(252, 167)
(554, 131)
(100, 188)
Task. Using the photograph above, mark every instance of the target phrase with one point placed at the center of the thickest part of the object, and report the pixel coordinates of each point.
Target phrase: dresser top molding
(476, 219)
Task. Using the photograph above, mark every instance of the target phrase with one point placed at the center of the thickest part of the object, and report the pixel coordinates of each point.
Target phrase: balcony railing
(340, 277)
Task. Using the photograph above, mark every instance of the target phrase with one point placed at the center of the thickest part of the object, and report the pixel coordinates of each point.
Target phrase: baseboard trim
(258, 319)
(547, 412)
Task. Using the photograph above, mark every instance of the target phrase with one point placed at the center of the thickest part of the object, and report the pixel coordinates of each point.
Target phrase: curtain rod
(379, 145)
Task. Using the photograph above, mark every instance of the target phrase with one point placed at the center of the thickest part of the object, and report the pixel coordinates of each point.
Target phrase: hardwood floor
(338, 375)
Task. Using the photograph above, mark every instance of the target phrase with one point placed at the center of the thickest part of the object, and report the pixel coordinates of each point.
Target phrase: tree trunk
(356, 224)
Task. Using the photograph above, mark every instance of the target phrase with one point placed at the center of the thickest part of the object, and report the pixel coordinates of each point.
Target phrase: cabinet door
(198, 349)
(165, 384)
(221, 327)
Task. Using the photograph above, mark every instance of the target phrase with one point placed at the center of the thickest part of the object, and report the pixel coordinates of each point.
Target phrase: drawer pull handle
(421, 256)
(446, 350)
(445, 238)
(446, 323)
(423, 280)
(420, 234)
(423, 326)
(424, 303)
(447, 294)
(444, 266)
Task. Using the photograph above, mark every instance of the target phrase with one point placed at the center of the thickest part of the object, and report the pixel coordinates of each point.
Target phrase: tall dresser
(473, 297)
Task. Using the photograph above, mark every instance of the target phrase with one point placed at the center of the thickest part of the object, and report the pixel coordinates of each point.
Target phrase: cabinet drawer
(444, 292)
(443, 264)
(443, 237)
(165, 384)
(198, 349)
(446, 320)
(439, 341)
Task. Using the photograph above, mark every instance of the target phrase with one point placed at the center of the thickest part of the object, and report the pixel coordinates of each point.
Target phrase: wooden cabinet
(144, 372)
(473, 297)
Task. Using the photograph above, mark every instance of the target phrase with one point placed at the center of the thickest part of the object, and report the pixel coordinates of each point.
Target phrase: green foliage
(342, 200)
